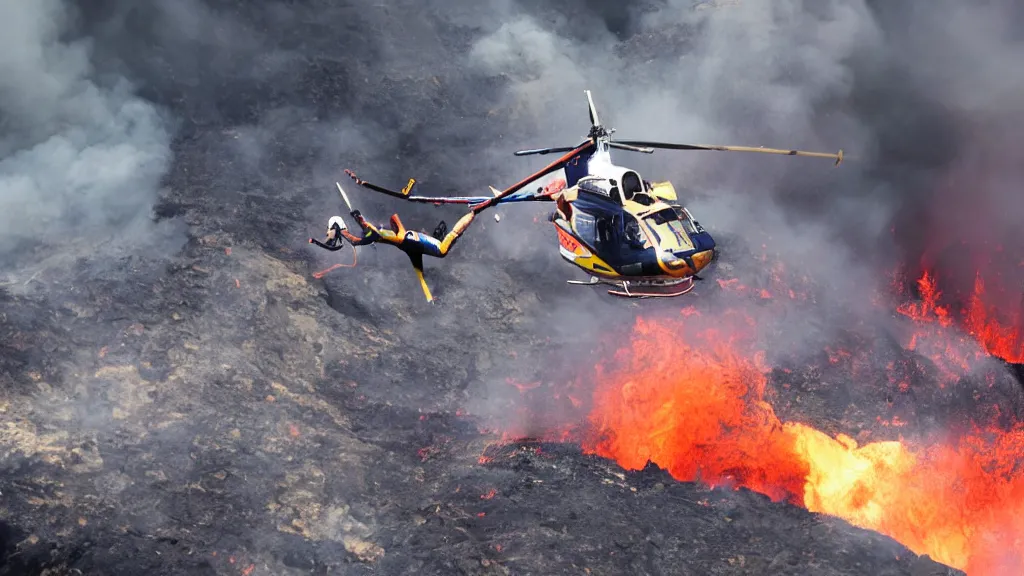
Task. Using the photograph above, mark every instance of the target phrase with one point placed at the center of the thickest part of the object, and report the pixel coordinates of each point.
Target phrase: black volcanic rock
(252, 424)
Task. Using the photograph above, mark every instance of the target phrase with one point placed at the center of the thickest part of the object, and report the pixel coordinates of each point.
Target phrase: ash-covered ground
(180, 396)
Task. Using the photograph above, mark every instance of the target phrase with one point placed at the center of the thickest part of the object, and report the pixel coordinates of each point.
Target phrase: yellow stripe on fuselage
(573, 250)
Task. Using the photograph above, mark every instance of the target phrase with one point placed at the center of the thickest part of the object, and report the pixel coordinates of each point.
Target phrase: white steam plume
(80, 158)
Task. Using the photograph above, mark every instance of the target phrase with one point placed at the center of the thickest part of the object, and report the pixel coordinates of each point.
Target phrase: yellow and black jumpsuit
(414, 244)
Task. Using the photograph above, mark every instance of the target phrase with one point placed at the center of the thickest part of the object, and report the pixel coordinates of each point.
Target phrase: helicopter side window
(631, 184)
(595, 186)
(633, 188)
(586, 227)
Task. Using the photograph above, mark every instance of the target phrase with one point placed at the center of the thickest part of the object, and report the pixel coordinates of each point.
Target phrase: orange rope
(355, 260)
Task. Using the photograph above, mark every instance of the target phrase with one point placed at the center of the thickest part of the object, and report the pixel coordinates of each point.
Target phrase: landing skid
(654, 291)
(641, 289)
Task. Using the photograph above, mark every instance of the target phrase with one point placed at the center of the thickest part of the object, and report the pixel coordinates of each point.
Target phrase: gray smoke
(81, 156)
(964, 58)
(920, 100)
(751, 74)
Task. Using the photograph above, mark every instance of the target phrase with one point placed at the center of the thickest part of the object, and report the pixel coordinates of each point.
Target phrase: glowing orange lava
(696, 408)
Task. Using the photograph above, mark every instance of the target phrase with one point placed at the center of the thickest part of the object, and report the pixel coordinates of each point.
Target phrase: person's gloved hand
(356, 215)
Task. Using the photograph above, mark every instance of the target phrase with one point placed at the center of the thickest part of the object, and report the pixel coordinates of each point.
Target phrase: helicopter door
(605, 231)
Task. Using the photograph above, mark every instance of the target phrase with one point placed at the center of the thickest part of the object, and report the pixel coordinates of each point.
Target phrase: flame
(1004, 341)
(697, 409)
(980, 318)
(695, 404)
(935, 335)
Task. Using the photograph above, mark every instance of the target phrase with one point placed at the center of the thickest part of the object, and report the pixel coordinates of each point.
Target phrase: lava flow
(697, 409)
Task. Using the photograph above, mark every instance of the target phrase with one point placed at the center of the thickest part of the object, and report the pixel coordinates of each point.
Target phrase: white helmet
(336, 220)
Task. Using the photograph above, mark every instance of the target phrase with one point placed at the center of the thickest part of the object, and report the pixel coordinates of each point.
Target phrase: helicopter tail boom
(472, 201)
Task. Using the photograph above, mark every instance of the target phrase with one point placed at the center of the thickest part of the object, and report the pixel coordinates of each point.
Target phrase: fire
(697, 409)
(1006, 342)
(695, 404)
(935, 335)
(718, 429)
(1001, 335)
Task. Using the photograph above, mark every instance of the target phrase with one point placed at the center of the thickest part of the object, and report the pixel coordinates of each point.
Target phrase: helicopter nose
(702, 259)
(672, 262)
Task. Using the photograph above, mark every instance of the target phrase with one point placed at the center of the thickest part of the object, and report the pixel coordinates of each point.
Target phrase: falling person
(414, 244)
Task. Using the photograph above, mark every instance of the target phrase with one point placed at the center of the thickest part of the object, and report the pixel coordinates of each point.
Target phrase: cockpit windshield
(670, 232)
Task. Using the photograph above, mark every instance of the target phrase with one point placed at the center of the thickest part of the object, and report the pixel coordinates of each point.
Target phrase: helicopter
(623, 231)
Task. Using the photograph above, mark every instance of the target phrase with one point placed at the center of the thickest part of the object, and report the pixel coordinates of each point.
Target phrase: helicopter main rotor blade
(622, 146)
(542, 151)
(593, 110)
(838, 157)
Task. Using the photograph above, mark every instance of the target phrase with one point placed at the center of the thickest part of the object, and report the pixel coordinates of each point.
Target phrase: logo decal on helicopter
(554, 187)
(565, 240)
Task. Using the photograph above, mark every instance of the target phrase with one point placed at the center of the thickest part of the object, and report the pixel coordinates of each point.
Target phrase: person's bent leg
(452, 236)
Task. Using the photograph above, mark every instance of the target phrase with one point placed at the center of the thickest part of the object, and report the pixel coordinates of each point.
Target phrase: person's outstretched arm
(329, 245)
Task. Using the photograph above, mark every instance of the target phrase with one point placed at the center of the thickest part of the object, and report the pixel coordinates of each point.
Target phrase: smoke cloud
(921, 102)
(961, 221)
(81, 156)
